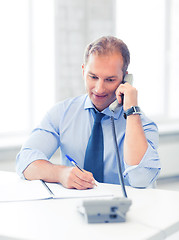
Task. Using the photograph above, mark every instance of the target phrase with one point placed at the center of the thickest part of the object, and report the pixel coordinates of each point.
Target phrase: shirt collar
(88, 104)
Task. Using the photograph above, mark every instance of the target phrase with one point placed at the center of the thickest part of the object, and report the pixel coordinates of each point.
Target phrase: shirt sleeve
(146, 172)
(42, 143)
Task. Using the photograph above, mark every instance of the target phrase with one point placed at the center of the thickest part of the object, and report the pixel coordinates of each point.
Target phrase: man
(69, 123)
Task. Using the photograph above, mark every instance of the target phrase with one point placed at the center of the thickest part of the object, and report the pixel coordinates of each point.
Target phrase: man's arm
(33, 159)
(69, 177)
(135, 143)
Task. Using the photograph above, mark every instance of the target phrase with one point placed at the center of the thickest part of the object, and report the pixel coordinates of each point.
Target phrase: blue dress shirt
(68, 125)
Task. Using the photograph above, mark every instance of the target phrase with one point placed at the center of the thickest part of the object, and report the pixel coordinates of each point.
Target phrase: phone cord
(118, 158)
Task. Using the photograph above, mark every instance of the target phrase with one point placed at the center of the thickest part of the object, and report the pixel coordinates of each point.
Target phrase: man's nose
(100, 86)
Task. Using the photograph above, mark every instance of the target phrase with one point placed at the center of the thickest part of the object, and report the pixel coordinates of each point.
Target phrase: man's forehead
(108, 57)
(113, 61)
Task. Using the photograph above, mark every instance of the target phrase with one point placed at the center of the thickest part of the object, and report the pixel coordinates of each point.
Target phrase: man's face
(102, 75)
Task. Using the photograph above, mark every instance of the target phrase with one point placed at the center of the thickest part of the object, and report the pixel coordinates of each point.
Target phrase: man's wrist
(134, 110)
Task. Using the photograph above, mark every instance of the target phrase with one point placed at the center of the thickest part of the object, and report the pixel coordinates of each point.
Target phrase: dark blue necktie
(94, 151)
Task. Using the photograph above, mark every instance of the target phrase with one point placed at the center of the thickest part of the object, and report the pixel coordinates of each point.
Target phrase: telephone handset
(114, 105)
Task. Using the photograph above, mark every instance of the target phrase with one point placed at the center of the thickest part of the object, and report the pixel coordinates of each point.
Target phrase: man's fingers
(72, 177)
(82, 180)
(130, 95)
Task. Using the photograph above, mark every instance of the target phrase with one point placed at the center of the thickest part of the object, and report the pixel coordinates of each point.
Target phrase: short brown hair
(107, 45)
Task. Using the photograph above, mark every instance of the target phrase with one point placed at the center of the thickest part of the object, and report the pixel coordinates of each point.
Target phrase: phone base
(105, 210)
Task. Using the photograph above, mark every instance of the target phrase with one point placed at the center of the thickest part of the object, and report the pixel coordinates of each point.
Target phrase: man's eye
(110, 79)
(93, 77)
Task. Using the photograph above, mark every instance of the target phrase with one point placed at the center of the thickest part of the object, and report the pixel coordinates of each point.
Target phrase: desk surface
(154, 214)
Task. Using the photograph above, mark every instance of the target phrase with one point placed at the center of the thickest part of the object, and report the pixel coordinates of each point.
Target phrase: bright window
(27, 65)
(150, 29)
(14, 62)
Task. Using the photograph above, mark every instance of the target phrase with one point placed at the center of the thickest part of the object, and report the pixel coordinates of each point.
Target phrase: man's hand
(72, 177)
(130, 95)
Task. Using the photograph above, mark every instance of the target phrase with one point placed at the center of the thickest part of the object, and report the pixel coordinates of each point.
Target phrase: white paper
(61, 192)
(13, 188)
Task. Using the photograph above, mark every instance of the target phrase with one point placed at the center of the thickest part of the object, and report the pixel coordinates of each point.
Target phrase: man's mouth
(98, 96)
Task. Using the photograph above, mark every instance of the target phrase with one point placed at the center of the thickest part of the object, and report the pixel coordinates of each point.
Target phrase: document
(60, 192)
(13, 188)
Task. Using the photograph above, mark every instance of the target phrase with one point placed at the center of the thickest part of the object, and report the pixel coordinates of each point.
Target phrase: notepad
(60, 192)
(13, 188)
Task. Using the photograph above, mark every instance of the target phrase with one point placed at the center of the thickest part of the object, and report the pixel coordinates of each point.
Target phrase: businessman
(69, 125)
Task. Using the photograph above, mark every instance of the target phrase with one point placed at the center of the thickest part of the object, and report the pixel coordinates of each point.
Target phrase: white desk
(154, 214)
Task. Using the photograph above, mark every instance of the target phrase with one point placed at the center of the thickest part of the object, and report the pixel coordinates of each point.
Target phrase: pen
(75, 164)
